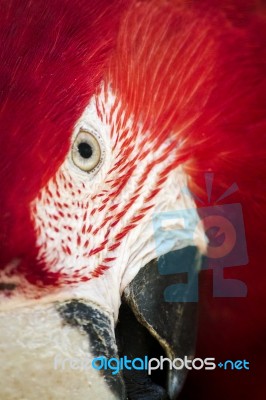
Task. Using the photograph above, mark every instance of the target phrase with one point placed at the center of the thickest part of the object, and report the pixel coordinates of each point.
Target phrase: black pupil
(85, 150)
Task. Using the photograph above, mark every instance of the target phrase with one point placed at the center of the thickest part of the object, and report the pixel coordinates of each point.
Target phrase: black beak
(158, 318)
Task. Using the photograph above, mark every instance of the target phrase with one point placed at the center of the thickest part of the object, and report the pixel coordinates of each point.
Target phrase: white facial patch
(97, 228)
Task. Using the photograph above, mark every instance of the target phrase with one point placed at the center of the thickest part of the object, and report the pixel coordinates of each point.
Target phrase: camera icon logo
(224, 228)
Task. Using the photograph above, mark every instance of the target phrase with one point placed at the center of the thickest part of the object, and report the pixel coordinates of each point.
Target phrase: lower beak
(62, 350)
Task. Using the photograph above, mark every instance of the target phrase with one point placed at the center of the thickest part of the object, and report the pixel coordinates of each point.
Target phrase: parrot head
(106, 109)
(97, 157)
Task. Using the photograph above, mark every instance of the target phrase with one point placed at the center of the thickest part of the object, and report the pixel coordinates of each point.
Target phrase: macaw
(113, 114)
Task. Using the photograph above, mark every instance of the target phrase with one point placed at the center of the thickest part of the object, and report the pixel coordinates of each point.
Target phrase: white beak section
(44, 356)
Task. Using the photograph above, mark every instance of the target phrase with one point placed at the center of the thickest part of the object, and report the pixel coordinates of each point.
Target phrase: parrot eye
(86, 151)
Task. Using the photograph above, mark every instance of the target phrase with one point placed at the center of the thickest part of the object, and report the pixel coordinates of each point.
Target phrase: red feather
(196, 69)
(50, 66)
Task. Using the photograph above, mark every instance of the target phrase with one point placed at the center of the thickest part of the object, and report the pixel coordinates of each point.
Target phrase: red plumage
(51, 61)
(193, 69)
(199, 70)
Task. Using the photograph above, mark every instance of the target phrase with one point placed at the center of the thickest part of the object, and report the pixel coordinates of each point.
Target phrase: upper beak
(47, 350)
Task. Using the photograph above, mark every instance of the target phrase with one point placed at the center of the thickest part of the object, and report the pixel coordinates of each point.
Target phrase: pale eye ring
(86, 151)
